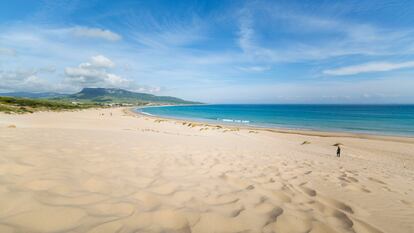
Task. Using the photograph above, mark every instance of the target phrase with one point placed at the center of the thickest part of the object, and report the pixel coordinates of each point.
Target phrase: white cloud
(369, 67)
(102, 61)
(22, 80)
(94, 74)
(98, 61)
(95, 33)
(89, 74)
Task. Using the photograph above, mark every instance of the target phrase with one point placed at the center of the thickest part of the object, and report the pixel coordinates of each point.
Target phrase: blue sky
(213, 51)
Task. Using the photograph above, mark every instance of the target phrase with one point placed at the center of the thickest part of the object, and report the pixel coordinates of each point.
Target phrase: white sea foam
(235, 121)
(145, 113)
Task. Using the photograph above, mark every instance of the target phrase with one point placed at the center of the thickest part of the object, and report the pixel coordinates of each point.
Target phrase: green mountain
(102, 96)
(113, 95)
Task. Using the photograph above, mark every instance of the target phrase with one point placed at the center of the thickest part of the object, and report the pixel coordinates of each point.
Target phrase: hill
(102, 96)
(113, 95)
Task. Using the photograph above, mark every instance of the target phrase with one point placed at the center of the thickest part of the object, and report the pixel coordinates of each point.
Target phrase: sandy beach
(122, 172)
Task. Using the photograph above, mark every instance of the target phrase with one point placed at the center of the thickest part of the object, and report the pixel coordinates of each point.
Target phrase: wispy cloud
(369, 67)
(7, 52)
(254, 68)
(96, 33)
(313, 37)
(246, 31)
(167, 33)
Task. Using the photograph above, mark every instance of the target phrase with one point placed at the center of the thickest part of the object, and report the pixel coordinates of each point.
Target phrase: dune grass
(25, 105)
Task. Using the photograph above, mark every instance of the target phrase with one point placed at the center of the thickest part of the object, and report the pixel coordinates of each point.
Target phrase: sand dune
(83, 172)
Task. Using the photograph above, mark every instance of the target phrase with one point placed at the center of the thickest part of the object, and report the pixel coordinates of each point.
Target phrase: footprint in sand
(339, 220)
(411, 204)
(307, 173)
(376, 180)
(308, 191)
(337, 204)
(358, 188)
(352, 179)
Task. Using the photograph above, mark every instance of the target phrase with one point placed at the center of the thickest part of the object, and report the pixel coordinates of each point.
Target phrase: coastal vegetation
(26, 105)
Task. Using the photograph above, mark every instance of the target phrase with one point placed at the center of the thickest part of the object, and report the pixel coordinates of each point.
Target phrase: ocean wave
(235, 121)
(145, 113)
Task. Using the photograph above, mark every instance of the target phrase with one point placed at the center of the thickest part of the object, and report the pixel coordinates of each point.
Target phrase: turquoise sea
(369, 119)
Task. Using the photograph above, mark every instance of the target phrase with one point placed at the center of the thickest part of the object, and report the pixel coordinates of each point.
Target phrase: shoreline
(303, 132)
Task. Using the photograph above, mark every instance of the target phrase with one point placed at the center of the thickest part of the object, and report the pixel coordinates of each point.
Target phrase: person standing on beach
(338, 152)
